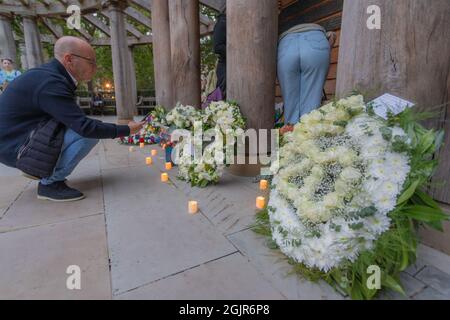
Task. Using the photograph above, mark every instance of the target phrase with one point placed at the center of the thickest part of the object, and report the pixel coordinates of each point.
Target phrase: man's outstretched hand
(135, 127)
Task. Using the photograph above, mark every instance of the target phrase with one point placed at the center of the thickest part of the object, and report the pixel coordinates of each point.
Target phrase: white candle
(263, 184)
(164, 177)
(193, 207)
(168, 165)
(154, 152)
(131, 149)
(148, 160)
(260, 202)
(142, 145)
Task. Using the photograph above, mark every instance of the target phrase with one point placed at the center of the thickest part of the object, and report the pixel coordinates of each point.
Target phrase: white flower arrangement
(223, 117)
(340, 175)
(183, 117)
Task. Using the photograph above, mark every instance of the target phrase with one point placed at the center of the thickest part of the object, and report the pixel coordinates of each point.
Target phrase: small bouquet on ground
(224, 119)
(151, 132)
(348, 196)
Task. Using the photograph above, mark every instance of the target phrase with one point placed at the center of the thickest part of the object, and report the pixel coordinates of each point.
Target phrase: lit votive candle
(193, 207)
(148, 160)
(164, 146)
(131, 149)
(168, 165)
(142, 145)
(164, 177)
(260, 202)
(263, 184)
(154, 152)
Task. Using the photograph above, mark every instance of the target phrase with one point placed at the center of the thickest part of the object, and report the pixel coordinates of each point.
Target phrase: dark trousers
(222, 77)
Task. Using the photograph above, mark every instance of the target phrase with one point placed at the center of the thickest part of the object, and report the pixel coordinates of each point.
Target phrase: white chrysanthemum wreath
(339, 175)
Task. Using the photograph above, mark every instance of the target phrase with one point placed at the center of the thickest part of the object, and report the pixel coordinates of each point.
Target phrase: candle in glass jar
(154, 152)
(263, 184)
(164, 177)
(168, 165)
(148, 160)
(131, 149)
(142, 145)
(193, 207)
(260, 202)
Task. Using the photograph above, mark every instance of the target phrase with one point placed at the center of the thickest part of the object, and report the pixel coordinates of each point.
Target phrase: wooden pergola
(113, 19)
(403, 57)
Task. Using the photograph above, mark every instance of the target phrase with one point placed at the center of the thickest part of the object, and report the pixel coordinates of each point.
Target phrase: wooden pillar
(132, 73)
(23, 56)
(162, 54)
(8, 45)
(252, 34)
(32, 37)
(408, 57)
(126, 110)
(185, 50)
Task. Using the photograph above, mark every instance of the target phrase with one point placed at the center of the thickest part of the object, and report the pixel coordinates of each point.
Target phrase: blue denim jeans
(74, 149)
(303, 62)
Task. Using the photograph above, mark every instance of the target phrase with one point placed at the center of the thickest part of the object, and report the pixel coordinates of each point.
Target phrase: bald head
(68, 45)
(77, 56)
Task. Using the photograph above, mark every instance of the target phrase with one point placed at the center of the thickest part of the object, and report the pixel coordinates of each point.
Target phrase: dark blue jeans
(75, 148)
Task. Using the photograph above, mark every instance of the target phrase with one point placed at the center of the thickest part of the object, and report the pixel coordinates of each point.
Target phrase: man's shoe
(58, 192)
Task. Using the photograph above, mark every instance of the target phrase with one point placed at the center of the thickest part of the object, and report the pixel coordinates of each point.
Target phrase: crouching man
(48, 92)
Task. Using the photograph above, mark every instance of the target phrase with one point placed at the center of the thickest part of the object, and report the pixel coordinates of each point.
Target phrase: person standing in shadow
(220, 48)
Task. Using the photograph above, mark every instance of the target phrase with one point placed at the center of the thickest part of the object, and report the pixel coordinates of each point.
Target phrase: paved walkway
(133, 239)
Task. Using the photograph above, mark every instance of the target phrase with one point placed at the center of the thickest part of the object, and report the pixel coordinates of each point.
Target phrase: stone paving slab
(150, 236)
(229, 278)
(229, 205)
(34, 261)
(10, 188)
(430, 294)
(436, 279)
(28, 211)
(277, 271)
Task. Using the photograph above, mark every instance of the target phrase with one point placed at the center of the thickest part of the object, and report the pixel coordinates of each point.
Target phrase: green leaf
(439, 140)
(427, 199)
(391, 283)
(408, 192)
(436, 225)
(424, 213)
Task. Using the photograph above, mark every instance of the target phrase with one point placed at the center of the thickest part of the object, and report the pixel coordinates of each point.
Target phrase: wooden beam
(96, 22)
(55, 8)
(132, 41)
(56, 30)
(130, 28)
(138, 16)
(144, 4)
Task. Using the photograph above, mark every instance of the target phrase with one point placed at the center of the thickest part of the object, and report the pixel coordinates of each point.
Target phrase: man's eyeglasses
(91, 61)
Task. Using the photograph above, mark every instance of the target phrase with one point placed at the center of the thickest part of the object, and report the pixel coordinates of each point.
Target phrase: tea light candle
(148, 160)
(260, 202)
(193, 207)
(154, 152)
(142, 145)
(164, 177)
(263, 184)
(131, 149)
(168, 165)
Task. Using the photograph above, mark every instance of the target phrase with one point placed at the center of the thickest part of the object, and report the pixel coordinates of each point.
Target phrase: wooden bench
(145, 104)
(85, 104)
